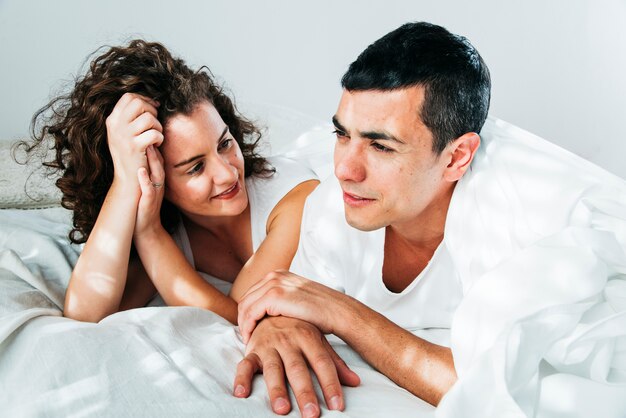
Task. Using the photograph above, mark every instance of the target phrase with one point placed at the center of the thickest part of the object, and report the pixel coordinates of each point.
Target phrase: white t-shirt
(263, 195)
(351, 261)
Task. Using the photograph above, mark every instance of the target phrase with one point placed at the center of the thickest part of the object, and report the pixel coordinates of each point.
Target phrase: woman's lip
(229, 193)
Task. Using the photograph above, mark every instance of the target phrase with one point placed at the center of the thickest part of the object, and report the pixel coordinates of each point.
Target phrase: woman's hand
(132, 127)
(287, 347)
(151, 183)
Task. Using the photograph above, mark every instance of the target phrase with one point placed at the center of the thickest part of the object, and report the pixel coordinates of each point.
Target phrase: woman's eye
(225, 144)
(381, 148)
(196, 169)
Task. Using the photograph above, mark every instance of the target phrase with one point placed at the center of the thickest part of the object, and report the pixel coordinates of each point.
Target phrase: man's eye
(381, 148)
(339, 134)
(225, 144)
(196, 169)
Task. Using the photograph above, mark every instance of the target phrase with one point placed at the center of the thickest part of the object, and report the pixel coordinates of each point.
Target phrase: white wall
(557, 66)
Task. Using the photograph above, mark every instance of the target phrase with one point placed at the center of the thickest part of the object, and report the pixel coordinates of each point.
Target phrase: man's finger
(248, 317)
(245, 318)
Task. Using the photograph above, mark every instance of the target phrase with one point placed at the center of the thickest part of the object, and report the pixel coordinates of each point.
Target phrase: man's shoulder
(324, 213)
(327, 197)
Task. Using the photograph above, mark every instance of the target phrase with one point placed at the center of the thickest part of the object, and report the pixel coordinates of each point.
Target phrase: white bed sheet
(156, 362)
(554, 347)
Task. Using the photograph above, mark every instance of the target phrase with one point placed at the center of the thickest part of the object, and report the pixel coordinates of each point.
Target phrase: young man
(423, 243)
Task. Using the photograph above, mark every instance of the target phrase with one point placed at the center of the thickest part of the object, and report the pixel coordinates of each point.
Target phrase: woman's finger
(157, 174)
(345, 374)
(145, 122)
(147, 189)
(134, 105)
(150, 137)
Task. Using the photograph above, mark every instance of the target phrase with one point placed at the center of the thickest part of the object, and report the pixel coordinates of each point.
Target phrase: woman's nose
(223, 171)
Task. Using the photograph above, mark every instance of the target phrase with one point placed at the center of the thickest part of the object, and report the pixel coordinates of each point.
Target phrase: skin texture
(200, 169)
(383, 149)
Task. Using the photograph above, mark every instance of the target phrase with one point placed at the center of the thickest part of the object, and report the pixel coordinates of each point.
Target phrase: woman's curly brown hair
(76, 123)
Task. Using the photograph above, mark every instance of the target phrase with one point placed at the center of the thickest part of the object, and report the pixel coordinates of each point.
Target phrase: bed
(153, 361)
(180, 361)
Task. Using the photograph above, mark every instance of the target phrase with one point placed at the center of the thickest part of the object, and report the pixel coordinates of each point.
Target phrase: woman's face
(204, 167)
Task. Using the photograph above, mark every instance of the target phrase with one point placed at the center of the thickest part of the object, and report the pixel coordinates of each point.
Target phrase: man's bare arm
(423, 368)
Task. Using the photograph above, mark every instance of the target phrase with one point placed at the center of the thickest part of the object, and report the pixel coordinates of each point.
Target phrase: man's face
(384, 160)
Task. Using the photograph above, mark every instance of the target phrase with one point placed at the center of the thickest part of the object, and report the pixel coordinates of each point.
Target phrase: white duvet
(541, 331)
(538, 236)
(148, 362)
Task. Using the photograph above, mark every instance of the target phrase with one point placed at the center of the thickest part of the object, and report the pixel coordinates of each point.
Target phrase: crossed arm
(423, 368)
(105, 281)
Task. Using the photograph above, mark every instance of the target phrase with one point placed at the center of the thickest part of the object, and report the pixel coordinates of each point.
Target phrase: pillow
(25, 186)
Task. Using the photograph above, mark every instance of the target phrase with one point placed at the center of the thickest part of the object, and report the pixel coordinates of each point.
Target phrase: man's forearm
(423, 368)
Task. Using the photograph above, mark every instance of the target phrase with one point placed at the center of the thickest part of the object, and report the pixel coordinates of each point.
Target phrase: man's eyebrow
(373, 135)
(195, 157)
(338, 125)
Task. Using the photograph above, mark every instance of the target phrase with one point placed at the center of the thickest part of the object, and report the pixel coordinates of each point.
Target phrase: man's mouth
(356, 200)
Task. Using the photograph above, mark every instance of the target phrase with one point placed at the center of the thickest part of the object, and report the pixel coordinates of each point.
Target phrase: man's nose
(350, 162)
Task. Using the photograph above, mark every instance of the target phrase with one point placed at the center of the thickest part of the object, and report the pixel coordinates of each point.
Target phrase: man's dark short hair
(455, 77)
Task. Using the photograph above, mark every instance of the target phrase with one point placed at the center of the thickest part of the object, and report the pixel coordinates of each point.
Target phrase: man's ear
(460, 154)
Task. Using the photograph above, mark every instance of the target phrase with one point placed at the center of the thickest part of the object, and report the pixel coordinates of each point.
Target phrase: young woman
(167, 190)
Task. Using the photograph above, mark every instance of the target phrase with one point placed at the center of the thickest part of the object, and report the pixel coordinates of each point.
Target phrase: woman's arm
(176, 280)
(280, 245)
(99, 277)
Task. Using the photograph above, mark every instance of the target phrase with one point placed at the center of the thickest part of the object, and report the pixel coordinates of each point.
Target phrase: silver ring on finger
(157, 185)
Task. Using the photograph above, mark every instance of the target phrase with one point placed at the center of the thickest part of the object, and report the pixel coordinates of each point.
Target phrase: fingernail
(310, 410)
(280, 404)
(335, 403)
(240, 390)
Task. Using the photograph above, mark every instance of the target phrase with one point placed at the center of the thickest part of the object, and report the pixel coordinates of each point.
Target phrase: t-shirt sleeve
(313, 260)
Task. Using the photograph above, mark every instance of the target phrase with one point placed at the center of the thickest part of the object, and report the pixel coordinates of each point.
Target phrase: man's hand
(282, 347)
(282, 293)
(423, 368)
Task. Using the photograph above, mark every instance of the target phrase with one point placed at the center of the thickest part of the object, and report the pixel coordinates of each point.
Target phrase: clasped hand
(282, 293)
(291, 342)
(133, 134)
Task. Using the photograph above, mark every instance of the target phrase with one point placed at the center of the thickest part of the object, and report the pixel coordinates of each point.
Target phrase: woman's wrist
(124, 191)
(149, 235)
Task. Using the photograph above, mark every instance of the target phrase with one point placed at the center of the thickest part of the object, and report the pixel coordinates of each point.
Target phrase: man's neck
(426, 230)
(409, 246)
